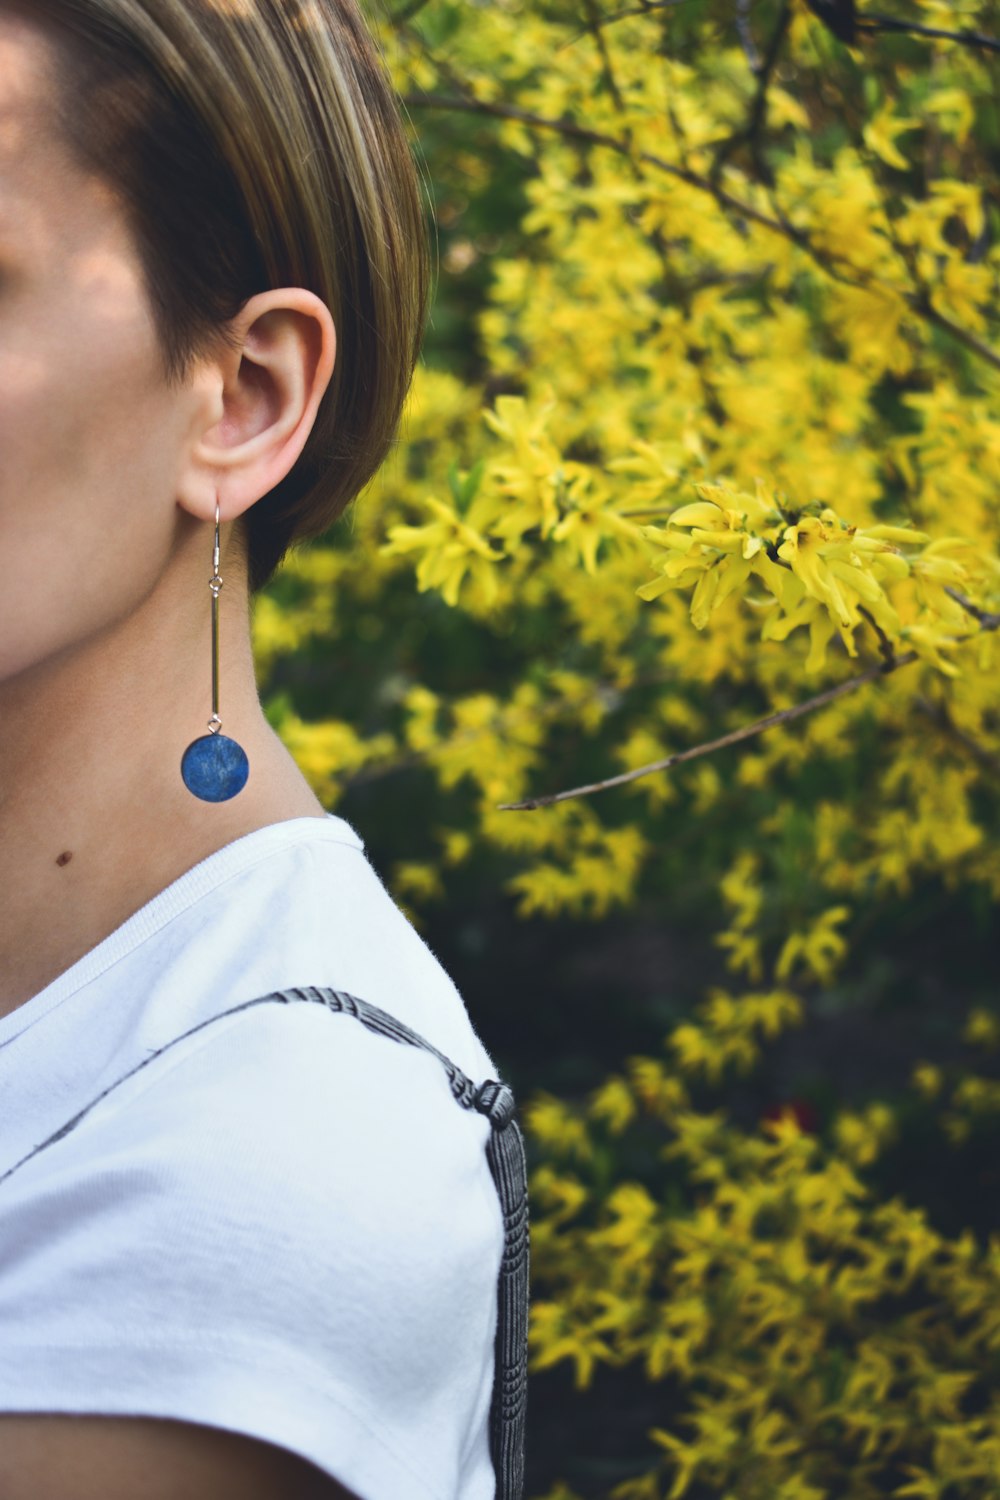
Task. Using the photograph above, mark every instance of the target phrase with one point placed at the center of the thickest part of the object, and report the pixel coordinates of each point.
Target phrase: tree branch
(746, 35)
(648, 7)
(917, 302)
(783, 716)
(751, 132)
(939, 715)
(407, 12)
(986, 620)
(872, 21)
(607, 67)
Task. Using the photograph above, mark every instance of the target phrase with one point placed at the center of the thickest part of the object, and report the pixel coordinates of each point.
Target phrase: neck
(95, 819)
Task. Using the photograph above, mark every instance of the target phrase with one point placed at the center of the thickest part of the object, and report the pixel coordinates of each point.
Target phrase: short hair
(258, 144)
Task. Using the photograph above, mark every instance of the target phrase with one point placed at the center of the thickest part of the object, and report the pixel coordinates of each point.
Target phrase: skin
(137, 1458)
(108, 486)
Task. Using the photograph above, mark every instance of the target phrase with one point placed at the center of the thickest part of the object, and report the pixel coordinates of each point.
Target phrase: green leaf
(463, 489)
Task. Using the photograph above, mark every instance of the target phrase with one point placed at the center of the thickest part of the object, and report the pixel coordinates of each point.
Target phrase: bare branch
(917, 302)
(783, 716)
(644, 9)
(507, 719)
(872, 22)
(746, 35)
(408, 12)
(885, 646)
(939, 715)
(986, 620)
(607, 67)
(752, 130)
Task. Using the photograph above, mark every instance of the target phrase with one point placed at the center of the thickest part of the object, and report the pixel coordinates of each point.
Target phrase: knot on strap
(496, 1100)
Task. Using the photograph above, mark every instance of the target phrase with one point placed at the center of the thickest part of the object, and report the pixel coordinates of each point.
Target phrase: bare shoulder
(55, 1457)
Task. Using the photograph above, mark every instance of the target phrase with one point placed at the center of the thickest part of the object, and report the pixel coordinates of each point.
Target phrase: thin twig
(407, 12)
(644, 10)
(751, 132)
(872, 21)
(986, 620)
(783, 716)
(745, 34)
(917, 302)
(885, 646)
(508, 719)
(574, 132)
(607, 67)
(939, 715)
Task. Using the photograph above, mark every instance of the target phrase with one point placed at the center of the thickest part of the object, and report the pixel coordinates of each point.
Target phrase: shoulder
(357, 1137)
(287, 1220)
(322, 914)
(321, 1134)
(306, 1093)
(375, 951)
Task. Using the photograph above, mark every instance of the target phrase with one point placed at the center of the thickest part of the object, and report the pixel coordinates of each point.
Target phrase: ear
(257, 402)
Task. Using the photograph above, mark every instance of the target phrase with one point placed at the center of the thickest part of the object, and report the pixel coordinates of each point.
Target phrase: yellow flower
(819, 947)
(927, 1079)
(451, 548)
(614, 1103)
(982, 1028)
(588, 519)
(531, 474)
(834, 562)
(410, 878)
(880, 136)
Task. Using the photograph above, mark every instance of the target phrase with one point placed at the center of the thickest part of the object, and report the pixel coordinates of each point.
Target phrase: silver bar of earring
(214, 767)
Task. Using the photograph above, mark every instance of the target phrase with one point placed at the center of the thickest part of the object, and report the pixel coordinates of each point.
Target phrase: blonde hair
(258, 144)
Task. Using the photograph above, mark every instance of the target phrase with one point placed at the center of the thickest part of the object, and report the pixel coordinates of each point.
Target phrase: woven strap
(505, 1155)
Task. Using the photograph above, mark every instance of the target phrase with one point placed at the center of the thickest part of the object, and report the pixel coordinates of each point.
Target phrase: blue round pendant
(215, 768)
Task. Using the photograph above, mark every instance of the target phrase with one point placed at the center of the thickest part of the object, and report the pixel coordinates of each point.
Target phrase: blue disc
(215, 768)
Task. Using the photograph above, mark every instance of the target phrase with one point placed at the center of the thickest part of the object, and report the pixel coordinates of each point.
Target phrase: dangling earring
(215, 767)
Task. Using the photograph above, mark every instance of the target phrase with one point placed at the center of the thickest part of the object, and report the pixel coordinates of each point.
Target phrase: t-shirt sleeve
(284, 1226)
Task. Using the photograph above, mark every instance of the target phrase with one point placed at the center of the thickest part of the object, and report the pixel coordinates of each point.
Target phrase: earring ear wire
(214, 767)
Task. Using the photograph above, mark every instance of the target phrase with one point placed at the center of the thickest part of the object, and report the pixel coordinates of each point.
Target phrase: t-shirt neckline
(209, 873)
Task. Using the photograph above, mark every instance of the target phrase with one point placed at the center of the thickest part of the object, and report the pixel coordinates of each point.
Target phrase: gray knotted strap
(506, 1158)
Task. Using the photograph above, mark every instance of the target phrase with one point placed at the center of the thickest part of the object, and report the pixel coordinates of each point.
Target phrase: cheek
(89, 447)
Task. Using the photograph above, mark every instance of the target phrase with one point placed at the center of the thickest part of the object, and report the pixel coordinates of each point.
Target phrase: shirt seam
(211, 1029)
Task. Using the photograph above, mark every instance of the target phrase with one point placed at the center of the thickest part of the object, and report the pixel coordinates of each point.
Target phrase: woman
(246, 1249)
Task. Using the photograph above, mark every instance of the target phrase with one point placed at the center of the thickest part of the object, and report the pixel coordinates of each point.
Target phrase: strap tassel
(505, 1154)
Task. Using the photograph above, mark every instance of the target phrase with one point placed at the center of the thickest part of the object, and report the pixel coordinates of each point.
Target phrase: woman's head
(250, 145)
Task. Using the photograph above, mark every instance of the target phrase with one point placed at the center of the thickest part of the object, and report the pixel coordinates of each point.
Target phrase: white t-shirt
(286, 1225)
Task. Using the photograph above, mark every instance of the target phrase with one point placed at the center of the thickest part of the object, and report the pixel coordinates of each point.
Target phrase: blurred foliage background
(707, 426)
